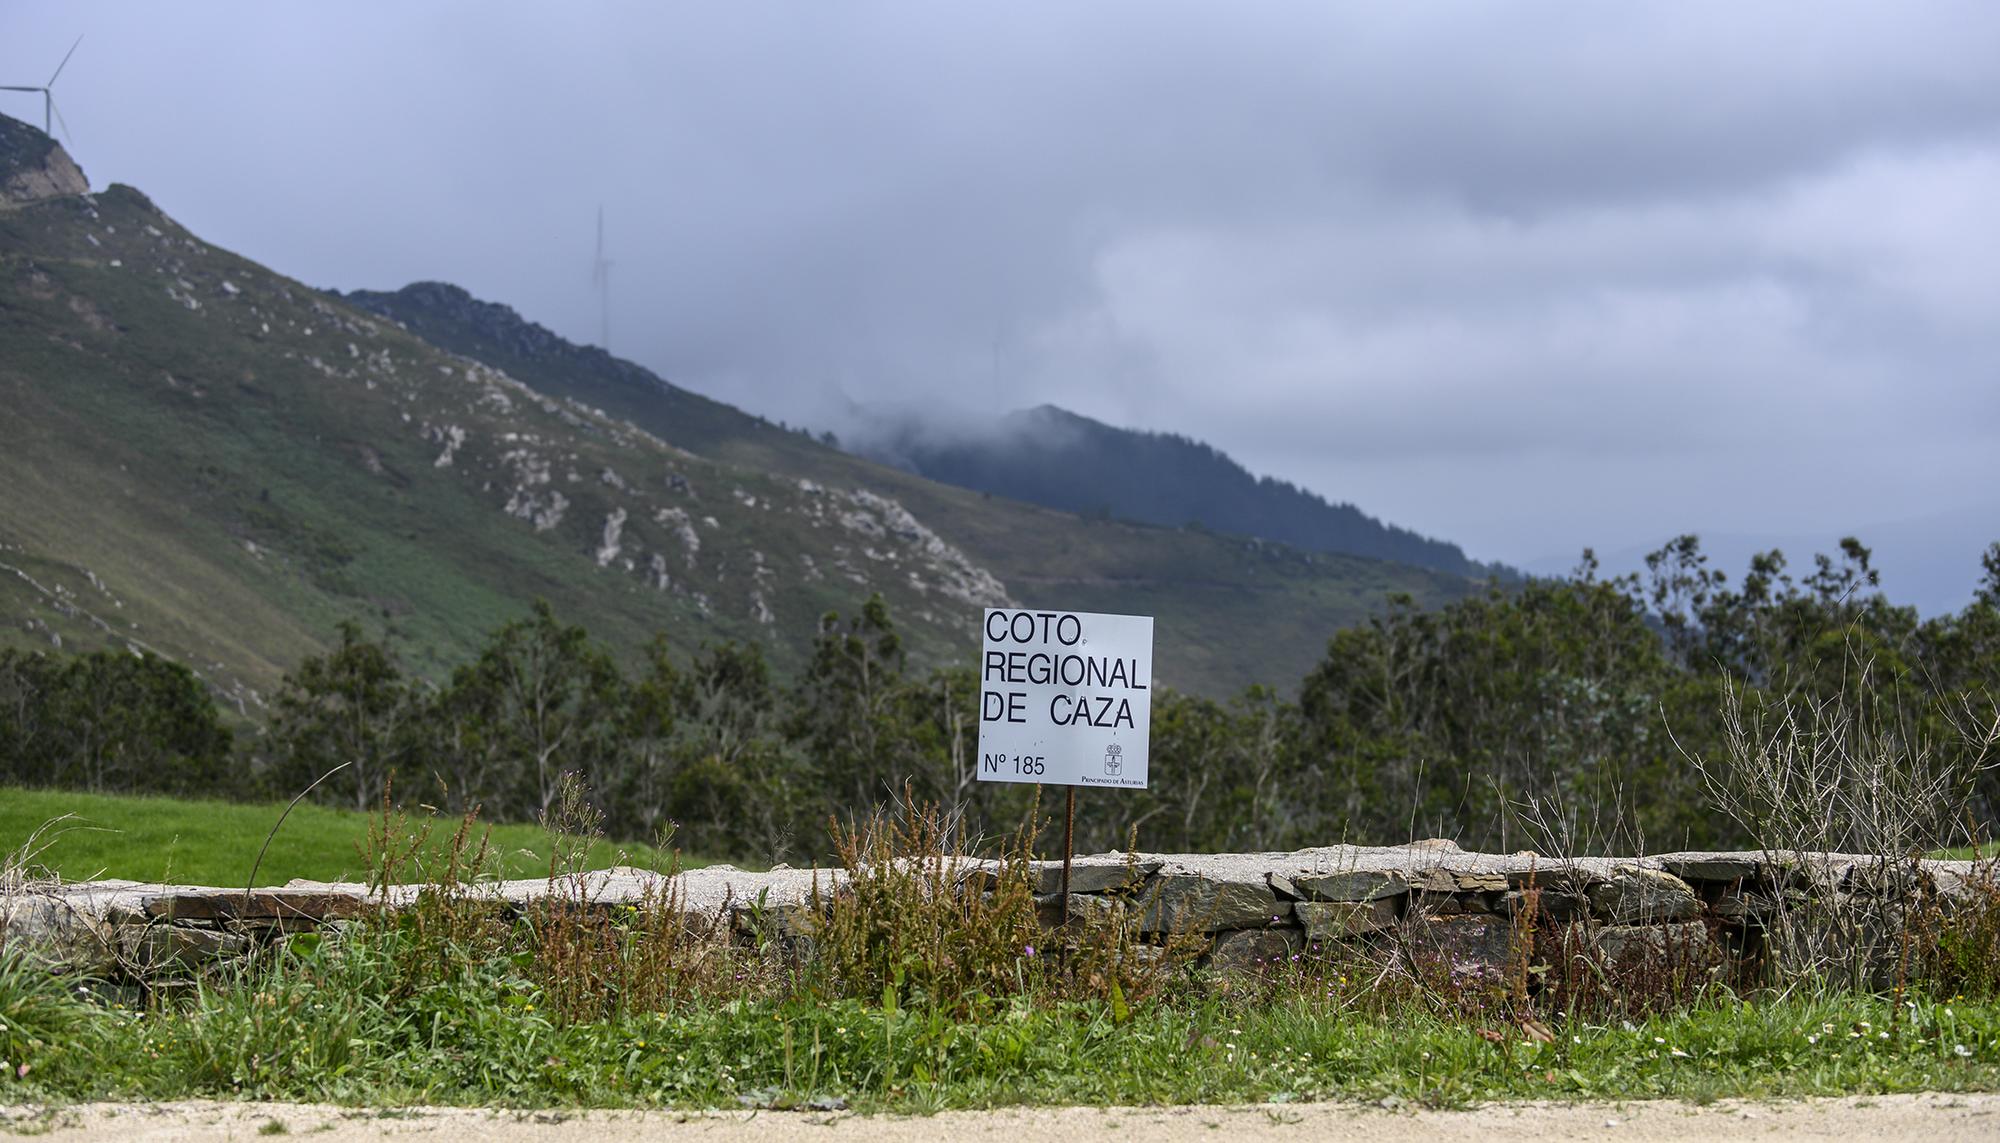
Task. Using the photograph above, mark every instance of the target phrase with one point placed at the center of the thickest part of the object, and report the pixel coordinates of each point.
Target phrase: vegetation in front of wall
(484, 1040)
(927, 986)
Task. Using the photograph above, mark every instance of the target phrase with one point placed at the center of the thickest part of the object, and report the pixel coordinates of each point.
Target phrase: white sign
(1065, 698)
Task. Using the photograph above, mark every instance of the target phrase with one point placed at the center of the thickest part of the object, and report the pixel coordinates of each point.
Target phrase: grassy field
(214, 843)
(1968, 852)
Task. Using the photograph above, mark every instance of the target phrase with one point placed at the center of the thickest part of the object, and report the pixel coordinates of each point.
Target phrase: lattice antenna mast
(50, 115)
(600, 277)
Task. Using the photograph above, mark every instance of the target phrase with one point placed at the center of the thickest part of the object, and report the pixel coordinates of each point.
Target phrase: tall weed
(595, 959)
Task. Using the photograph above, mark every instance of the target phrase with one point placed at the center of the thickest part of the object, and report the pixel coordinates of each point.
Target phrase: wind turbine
(600, 277)
(48, 97)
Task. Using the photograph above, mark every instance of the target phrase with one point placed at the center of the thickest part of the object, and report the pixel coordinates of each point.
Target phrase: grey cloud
(1526, 275)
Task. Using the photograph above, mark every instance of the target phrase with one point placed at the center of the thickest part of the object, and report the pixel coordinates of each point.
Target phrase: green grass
(1967, 853)
(332, 1033)
(192, 842)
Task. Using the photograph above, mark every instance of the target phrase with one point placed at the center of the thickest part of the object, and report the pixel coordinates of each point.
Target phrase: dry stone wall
(1467, 912)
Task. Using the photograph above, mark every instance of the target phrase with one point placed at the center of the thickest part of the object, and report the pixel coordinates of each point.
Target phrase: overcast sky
(1524, 276)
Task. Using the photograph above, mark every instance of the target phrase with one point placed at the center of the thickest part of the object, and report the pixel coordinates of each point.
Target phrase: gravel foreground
(1915, 1117)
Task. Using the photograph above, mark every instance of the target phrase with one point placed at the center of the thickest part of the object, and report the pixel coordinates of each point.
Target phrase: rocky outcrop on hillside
(34, 167)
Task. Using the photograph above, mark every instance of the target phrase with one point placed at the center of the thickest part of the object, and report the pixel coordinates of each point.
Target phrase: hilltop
(211, 460)
(1048, 455)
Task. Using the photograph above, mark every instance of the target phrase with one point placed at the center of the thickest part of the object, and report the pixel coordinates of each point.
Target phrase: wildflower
(1960, 1050)
(1679, 1055)
(1659, 1039)
(1812, 1039)
(1028, 950)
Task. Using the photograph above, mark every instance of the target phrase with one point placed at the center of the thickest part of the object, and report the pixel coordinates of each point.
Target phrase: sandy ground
(1918, 1117)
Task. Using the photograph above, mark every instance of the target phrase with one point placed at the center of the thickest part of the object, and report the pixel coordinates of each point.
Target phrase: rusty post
(1069, 848)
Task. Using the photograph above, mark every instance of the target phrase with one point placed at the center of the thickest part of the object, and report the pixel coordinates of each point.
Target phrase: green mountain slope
(210, 460)
(1232, 611)
(202, 457)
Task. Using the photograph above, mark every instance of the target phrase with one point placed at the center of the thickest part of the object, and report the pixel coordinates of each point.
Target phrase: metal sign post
(1065, 699)
(1069, 846)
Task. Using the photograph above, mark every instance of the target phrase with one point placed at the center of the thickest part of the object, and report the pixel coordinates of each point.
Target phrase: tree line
(1566, 711)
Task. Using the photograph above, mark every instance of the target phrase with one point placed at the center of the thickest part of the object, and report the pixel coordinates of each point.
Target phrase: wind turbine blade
(67, 137)
(11, 87)
(65, 62)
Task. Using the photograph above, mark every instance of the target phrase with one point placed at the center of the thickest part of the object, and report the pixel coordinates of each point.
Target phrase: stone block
(1712, 866)
(177, 946)
(1096, 873)
(1554, 904)
(1676, 945)
(54, 935)
(1433, 881)
(1469, 945)
(1883, 879)
(1254, 950)
(1188, 902)
(1634, 894)
(1338, 920)
(1349, 885)
(783, 922)
(1085, 909)
(257, 905)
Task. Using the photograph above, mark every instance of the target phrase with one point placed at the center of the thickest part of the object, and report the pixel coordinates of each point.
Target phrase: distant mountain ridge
(450, 317)
(1230, 610)
(1048, 455)
(207, 459)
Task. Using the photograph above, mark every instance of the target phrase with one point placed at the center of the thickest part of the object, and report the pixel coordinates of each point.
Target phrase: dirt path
(1919, 1117)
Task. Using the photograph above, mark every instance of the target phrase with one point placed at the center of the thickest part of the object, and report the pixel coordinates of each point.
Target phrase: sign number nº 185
(1020, 763)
